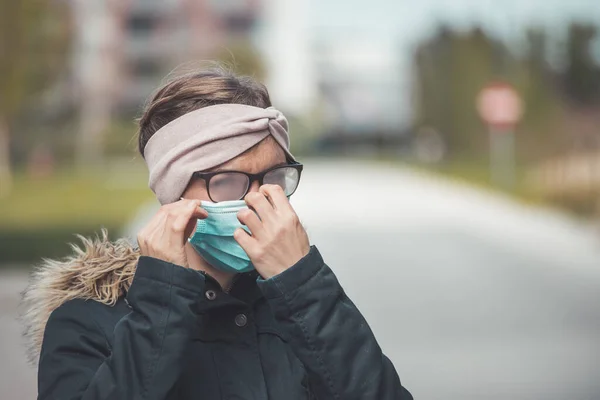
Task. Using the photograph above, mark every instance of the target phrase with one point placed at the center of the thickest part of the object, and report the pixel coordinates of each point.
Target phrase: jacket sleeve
(329, 335)
(148, 344)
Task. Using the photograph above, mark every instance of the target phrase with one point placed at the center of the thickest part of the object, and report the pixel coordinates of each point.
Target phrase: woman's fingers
(282, 240)
(145, 235)
(167, 232)
(199, 213)
(276, 197)
(247, 242)
(259, 203)
(183, 205)
(182, 218)
(251, 220)
(141, 240)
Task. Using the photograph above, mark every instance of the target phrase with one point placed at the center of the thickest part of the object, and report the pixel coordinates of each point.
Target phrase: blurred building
(123, 48)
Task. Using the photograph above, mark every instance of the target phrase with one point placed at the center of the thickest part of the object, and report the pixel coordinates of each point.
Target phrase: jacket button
(241, 320)
(211, 294)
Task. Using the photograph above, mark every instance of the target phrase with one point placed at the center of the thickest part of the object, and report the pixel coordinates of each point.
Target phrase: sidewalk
(17, 378)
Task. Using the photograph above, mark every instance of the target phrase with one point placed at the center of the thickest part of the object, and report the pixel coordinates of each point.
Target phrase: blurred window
(238, 15)
(239, 23)
(146, 68)
(230, 6)
(141, 24)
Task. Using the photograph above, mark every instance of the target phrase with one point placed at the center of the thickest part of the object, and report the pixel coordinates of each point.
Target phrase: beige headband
(204, 139)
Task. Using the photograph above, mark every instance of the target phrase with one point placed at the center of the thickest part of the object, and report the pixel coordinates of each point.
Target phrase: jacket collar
(98, 270)
(244, 287)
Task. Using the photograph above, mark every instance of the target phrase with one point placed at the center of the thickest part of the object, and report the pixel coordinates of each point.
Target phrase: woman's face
(259, 158)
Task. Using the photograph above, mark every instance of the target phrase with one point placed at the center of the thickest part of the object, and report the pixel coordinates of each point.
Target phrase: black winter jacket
(174, 334)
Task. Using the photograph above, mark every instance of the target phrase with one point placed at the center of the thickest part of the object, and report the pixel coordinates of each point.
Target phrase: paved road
(473, 297)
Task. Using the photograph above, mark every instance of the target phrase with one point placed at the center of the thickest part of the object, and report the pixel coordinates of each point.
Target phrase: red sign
(499, 105)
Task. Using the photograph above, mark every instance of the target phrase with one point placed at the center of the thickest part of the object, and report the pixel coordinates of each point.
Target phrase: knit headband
(206, 138)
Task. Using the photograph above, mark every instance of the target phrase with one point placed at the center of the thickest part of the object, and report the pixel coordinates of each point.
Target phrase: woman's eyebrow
(219, 169)
(226, 169)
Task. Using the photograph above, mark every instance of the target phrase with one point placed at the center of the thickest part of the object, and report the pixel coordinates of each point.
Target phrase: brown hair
(185, 93)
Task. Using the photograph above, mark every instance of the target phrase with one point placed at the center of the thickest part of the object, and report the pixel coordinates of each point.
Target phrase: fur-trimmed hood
(99, 270)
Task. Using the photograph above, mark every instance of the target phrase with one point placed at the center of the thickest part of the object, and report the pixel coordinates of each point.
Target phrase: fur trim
(100, 270)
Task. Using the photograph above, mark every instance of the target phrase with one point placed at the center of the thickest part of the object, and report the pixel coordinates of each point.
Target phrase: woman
(225, 298)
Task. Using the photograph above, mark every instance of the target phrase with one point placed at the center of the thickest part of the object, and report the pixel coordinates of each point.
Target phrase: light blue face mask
(213, 238)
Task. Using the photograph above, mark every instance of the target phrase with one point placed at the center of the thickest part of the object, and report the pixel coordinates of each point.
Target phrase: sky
(375, 39)
(407, 21)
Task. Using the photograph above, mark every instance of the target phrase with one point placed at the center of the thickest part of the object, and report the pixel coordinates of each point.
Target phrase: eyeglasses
(235, 185)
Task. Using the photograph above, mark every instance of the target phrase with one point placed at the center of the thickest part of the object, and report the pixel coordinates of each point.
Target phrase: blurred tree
(581, 78)
(537, 48)
(33, 43)
(451, 69)
(542, 133)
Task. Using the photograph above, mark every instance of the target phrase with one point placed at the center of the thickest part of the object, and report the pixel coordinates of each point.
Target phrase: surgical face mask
(213, 238)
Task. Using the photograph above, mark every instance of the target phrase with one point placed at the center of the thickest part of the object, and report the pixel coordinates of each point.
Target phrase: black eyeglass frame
(207, 176)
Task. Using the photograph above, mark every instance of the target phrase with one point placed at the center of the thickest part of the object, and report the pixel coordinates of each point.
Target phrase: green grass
(70, 199)
(581, 204)
(479, 174)
(40, 215)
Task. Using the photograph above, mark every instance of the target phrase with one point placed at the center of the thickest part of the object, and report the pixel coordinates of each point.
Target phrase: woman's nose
(254, 186)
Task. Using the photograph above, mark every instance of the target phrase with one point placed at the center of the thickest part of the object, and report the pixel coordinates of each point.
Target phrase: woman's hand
(278, 238)
(165, 236)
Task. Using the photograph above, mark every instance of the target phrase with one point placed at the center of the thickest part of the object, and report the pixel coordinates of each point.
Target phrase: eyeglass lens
(228, 186)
